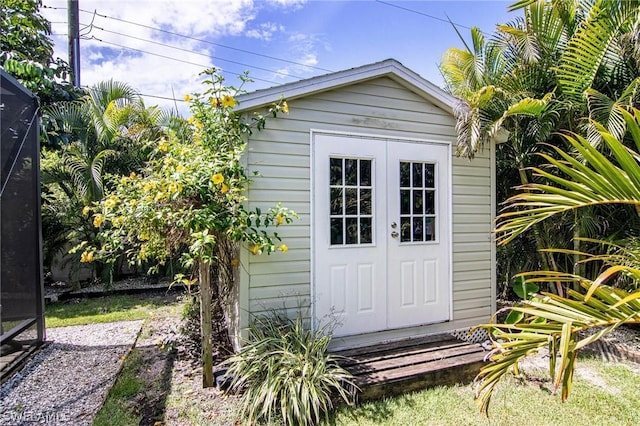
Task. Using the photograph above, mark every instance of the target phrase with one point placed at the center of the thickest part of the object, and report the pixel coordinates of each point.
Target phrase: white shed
(394, 237)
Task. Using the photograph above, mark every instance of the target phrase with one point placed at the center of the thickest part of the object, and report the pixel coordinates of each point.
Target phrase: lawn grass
(116, 410)
(106, 309)
(603, 393)
(607, 394)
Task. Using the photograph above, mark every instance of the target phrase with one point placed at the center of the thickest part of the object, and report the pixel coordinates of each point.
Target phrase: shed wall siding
(281, 155)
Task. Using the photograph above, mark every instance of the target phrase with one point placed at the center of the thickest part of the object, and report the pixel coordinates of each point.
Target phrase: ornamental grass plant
(285, 373)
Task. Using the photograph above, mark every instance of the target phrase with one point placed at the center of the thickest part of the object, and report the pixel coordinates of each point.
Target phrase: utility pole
(74, 41)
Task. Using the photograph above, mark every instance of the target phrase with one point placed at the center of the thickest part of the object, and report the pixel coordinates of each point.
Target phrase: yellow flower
(163, 145)
(228, 101)
(110, 203)
(117, 221)
(86, 210)
(285, 107)
(283, 248)
(235, 262)
(144, 236)
(180, 168)
(199, 125)
(187, 98)
(191, 120)
(217, 179)
(175, 188)
(98, 220)
(279, 219)
(86, 257)
(224, 188)
(255, 249)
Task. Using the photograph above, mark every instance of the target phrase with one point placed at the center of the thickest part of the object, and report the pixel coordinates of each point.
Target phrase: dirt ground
(173, 392)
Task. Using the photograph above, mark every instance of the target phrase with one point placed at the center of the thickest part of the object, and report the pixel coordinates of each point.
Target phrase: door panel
(418, 258)
(381, 236)
(349, 235)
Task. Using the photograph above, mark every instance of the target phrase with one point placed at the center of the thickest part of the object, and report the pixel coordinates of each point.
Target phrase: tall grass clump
(284, 372)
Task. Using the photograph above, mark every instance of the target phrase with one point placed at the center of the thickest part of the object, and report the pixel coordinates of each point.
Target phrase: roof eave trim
(389, 67)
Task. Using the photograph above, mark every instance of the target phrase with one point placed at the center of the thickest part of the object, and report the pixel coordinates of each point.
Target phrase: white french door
(381, 233)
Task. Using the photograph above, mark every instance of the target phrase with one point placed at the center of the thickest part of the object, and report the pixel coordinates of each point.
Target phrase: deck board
(408, 365)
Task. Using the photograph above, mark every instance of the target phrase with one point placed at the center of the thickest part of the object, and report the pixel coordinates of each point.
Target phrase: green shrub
(285, 372)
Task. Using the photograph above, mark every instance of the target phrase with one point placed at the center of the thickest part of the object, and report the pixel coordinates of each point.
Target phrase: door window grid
(417, 202)
(350, 201)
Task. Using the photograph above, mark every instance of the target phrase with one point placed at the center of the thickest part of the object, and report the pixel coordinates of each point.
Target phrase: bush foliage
(285, 372)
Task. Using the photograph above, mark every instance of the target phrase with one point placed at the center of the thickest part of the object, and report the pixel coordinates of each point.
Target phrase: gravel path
(67, 382)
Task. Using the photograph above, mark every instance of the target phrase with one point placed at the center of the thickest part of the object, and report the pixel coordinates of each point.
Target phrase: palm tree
(104, 132)
(521, 86)
(583, 178)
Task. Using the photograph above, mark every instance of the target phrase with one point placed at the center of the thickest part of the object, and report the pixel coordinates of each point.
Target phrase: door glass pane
(405, 201)
(417, 203)
(336, 201)
(429, 175)
(350, 171)
(365, 172)
(365, 201)
(430, 202)
(417, 175)
(336, 231)
(365, 231)
(405, 174)
(418, 229)
(405, 229)
(430, 228)
(351, 230)
(335, 171)
(351, 201)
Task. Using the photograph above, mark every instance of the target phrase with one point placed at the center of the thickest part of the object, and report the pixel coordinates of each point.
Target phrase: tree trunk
(204, 270)
(548, 262)
(577, 266)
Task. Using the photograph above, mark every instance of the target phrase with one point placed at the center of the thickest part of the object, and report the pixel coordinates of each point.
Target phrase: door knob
(394, 225)
(394, 234)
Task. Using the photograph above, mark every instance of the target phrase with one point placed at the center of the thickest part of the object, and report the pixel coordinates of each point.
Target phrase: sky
(159, 46)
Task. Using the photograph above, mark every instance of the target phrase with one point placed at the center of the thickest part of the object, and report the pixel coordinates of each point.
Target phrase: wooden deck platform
(409, 365)
(12, 359)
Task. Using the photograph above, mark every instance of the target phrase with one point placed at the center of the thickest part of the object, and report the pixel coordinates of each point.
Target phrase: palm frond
(556, 323)
(598, 180)
(590, 44)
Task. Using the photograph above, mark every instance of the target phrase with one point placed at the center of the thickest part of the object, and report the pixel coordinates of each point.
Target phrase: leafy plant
(189, 202)
(524, 290)
(284, 372)
(26, 52)
(556, 323)
(582, 179)
(549, 69)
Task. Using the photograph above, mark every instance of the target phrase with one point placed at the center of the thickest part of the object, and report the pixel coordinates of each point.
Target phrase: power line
(181, 60)
(171, 58)
(192, 52)
(423, 14)
(205, 41)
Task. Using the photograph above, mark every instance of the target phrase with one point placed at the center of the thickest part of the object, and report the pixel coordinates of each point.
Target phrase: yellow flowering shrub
(191, 195)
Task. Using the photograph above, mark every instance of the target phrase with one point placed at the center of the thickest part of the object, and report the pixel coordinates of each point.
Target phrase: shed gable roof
(388, 68)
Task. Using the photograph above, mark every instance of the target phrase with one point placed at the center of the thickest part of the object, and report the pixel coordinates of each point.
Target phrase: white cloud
(288, 3)
(265, 31)
(116, 40)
